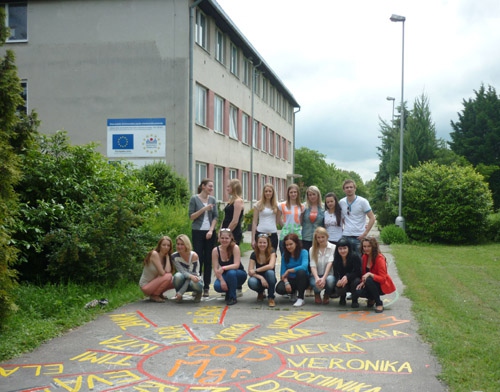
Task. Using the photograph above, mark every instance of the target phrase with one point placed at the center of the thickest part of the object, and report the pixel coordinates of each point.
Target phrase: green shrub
(170, 187)
(445, 204)
(170, 219)
(493, 233)
(82, 218)
(393, 234)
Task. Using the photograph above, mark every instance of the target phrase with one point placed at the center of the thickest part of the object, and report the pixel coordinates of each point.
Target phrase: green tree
(445, 204)
(476, 134)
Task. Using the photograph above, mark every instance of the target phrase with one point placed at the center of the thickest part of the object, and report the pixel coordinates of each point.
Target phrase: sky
(342, 59)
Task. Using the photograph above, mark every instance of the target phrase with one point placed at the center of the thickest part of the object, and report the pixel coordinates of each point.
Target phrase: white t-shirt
(354, 215)
(334, 231)
(267, 221)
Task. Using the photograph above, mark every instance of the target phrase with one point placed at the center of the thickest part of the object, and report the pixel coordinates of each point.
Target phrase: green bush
(170, 187)
(445, 204)
(493, 233)
(170, 219)
(82, 218)
(393, 234)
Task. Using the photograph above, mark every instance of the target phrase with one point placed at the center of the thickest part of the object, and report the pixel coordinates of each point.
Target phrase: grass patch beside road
(456, 299)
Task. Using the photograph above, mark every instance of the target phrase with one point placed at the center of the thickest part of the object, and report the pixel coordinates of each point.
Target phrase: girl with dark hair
(375, 281)
(333, 217)
(204, 214)
(294, 275)
(156, 275)
(346, 270)
(226, 262)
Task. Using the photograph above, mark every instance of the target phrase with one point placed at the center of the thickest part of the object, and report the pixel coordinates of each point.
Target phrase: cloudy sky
(342, 59)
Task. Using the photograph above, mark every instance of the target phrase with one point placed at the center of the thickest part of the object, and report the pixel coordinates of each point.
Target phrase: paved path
(208, 346)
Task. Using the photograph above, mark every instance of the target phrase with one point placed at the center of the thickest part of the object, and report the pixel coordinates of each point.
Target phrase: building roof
(224, 22)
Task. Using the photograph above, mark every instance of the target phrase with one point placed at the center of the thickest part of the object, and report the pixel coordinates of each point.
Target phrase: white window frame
(17, 22)
(271, 142)
(255, 132)
(256, 83)
(201, 172)
(265, 89)
(234, 65)
(233, 122)
(247, 72)
(278, 146)
(289, 152)
(233, 173)
(263, 138)
(219, 183)
(220, 46)
(218, 114)
(244, 184)
(201, 105)
(201, 29)
(245, 120)
(254, 187)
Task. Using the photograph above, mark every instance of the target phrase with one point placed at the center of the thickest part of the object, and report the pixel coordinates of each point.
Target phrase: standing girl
(312, 217)
(375, 281)
(261, 269)
(294, 276)
(226, 261)
(156, 275)
(203, 213)
(321, 262)
(266, 216)
(233, 212)
(333, 218)
(290, 212)
(186, 263)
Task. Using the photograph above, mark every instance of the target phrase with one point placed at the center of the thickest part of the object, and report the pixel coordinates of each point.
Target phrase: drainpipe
(192, 14)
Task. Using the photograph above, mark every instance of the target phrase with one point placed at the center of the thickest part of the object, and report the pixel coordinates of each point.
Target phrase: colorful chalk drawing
(208, 355)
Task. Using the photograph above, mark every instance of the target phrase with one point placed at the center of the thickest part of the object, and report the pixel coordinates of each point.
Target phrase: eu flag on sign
(123, 141)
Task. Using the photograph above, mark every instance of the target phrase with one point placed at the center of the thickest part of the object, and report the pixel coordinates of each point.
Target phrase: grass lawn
(456, 299)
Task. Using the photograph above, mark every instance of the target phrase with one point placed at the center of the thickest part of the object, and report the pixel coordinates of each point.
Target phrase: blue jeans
(256, 285)
(234, 279)
(355, 244)
(330, 284)
(183, 284)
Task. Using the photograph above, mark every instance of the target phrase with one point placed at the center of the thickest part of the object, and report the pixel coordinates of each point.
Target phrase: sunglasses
(225, 229)
(348, 210)
(263, 235)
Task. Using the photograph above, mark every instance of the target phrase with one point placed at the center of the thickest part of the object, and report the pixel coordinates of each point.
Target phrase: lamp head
(397, 18)
(391, 98)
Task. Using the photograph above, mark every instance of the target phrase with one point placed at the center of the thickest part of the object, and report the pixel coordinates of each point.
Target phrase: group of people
(324, 247)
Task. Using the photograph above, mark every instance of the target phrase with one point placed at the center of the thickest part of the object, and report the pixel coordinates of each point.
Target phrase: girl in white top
(321, 262)
(333, 218)
(290, 212)
(156, 275)
(266, 217)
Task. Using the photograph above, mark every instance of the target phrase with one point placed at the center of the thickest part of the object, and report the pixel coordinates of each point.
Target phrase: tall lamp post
(400, 221)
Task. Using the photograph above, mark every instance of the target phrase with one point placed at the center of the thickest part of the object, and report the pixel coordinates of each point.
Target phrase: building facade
(149, 80)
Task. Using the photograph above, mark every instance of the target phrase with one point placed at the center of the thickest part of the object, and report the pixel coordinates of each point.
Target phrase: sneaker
(348, 296)
(205, 293)
(317, 299)
(239, 293)
(197, 297)
(231, 301)
(271, 303)
(342, 301)
(260, 297)
(355, 305)
(299, 302)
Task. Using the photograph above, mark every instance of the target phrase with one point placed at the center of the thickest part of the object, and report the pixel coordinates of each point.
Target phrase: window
(201, 172)
(244, 184)
(233, 122)
(201, 105)
(289, 152)
(234, 60)
(254, 133)
(233, 173)
(244, 127)
(219, 46)
(283, 148)
(218, 183)
(218, 114)
(271, 143)
(201, 29)
(263, 138)
(263, 181)
(272, 97)
(278, 103)
(265, 88)
(16, 19)
(278, 146)
(254, 187)
(256, 83)
(247, 72)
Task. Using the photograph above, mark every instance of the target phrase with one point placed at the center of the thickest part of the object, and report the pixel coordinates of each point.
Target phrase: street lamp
(400, 221)
(392, 99)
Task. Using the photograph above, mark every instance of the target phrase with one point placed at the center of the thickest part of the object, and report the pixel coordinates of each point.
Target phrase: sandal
(379, 309)
(156, 298)
(178, 298)
(326, 299)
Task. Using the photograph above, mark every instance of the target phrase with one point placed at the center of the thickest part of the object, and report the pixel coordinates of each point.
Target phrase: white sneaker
(348, 296)
(299, 302)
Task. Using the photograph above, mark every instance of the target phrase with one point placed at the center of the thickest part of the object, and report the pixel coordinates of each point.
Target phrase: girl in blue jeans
(226, 264)
(261, 269)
